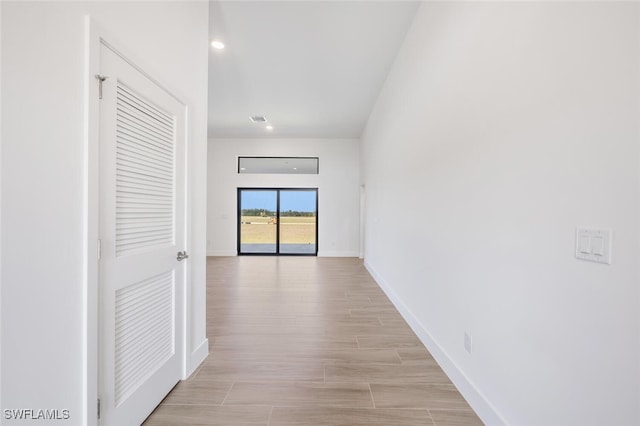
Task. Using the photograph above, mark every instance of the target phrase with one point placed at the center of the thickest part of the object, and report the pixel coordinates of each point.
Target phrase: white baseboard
(221, 253)
(198, 356)
(323, 253)
(481, 405)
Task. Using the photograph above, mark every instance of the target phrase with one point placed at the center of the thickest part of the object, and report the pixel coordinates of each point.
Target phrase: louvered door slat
(144, 331)
(140, 218)
(132, 161)
(131, 98)
(128, 162)
(129, 136)
(132, 239)
(138, 176)
(129, 133)
(160, 142)
(145, 207)
(125, 188)
(144, 174)
(141, 120)
(130, 352)
(150, 206)
(134, 124)
(154, 297)
(152, 313)
(132, 223)
(138, 110)
(133, 196)
(151, 357)
(129, 165)
(141, 291)
(141, 243)
(141, 145)
(136, 201)
(148, 158)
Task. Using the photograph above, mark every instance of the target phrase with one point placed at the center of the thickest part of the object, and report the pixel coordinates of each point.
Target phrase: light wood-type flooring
(309, 341)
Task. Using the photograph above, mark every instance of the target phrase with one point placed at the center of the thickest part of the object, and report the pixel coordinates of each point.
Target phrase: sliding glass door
(258, 230)
(298, 224)
(277, 221)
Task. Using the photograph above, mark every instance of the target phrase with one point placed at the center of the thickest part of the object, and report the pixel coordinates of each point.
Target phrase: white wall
(1, 405)
(501, 128)
(43, 54)
(337, 183)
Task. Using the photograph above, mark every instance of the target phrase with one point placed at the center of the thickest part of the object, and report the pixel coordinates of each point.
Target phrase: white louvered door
(142, 199)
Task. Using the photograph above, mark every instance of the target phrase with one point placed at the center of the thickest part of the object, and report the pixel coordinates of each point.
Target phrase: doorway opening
(278, 221)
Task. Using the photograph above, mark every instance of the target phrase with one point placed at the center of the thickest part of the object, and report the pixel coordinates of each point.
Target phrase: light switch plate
(594, 245)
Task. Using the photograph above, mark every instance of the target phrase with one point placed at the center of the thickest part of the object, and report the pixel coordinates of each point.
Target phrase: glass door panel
(258, 230)
(298, 221)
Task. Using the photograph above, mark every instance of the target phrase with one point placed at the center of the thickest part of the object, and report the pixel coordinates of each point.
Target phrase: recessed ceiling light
(269, 127)
(217, 44)
(258, 119)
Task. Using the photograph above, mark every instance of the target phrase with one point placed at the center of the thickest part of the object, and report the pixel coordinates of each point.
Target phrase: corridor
(309, 341)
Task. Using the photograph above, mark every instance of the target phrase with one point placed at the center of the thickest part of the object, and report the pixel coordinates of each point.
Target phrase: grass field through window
(293, 230)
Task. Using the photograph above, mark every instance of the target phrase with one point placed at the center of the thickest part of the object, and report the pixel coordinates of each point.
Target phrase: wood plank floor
(309, 341)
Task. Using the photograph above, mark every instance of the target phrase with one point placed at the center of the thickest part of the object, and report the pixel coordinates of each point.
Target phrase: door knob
(182, 255)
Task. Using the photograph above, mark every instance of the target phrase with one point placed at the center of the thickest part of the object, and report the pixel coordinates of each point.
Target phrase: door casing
(95, 36)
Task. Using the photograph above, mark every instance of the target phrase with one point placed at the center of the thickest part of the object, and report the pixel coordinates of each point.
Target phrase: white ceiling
(312, 68)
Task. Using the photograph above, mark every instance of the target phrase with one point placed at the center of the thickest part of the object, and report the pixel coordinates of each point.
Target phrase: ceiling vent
(258, 119)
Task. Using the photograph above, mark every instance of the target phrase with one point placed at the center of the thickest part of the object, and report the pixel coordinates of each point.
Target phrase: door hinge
(99, 249)
(101, 79)
(98, 408)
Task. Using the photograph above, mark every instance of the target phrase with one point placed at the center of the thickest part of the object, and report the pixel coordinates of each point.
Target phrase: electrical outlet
(468, 342)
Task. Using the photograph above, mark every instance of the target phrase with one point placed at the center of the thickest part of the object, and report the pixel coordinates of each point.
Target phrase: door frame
(363, 202)
(277, 190)
(95, 37)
